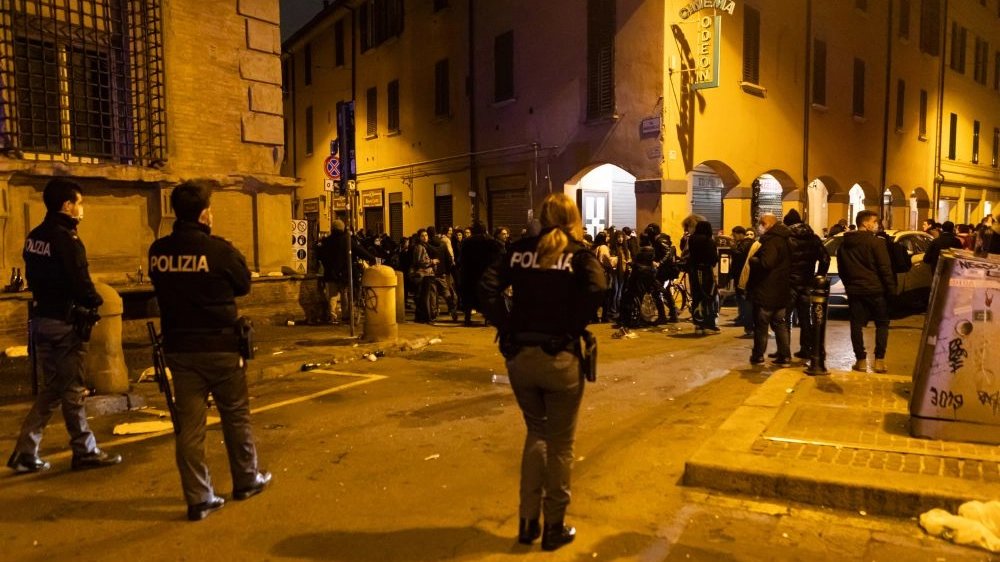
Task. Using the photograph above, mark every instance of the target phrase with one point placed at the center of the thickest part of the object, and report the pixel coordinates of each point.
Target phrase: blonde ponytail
(559, 213)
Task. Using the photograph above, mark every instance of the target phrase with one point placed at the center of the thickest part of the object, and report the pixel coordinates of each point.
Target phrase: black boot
(557, 535)
(528, 531)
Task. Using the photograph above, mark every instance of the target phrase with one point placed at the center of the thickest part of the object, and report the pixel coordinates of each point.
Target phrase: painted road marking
(212, 420)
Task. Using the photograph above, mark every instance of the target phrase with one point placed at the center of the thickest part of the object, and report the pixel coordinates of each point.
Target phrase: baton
(160, 369)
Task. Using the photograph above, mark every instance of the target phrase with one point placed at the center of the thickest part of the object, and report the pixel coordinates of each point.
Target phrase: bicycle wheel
(679, 294)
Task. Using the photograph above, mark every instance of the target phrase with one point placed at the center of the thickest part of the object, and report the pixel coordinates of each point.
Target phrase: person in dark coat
(865, 267)
(333, 254)
(768, 287)
(948, 239)
(809, 259)
(703, 255)
(741, 250)
(478, 252)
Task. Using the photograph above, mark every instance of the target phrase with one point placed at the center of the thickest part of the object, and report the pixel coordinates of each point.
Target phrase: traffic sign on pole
(331, 167)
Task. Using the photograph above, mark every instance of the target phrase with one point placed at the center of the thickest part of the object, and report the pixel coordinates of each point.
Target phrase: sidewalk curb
(728, 462)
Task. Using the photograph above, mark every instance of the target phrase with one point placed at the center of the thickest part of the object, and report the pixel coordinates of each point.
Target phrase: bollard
(819, 299)
(105, 362)
(379, 285)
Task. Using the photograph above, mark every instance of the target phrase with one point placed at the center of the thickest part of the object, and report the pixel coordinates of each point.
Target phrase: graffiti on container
(946, 399)
(956, 354)
(991, 400)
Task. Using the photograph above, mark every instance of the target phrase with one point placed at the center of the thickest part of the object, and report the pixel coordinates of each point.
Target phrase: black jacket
(478, 253)
(770, 269)
(739, 256)
(702, 253)
(197, 278)
(807, 252)
(56, 268)
(332, 253)
(560, 300)
(864, 265)
(945, 241)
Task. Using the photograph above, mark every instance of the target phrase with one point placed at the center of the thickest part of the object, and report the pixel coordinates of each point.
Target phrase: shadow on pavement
(414, 545)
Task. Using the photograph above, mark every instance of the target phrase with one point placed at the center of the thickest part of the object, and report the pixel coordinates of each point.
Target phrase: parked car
(913, 288)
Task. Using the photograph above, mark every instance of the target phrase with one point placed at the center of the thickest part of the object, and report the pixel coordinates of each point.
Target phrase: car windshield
(914, 242)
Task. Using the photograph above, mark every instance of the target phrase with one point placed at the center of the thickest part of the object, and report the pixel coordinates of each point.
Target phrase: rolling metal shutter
(623, 204)
(396, 216)
(706, 200)
(509, 208)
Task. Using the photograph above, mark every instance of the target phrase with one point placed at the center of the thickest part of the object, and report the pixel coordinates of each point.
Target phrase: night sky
(296, 13)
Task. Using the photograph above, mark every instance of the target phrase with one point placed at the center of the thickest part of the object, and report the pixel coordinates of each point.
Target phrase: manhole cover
(437, 356)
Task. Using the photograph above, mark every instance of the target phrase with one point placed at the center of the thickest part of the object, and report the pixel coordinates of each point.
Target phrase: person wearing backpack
(809, 259)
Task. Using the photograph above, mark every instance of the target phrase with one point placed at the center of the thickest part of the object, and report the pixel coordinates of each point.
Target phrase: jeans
(863, 308)
(799, 302)
(549, 390)
(773, 318)
(60, 353)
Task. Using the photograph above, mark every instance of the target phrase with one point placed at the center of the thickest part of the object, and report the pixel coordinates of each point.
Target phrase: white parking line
(365, 379)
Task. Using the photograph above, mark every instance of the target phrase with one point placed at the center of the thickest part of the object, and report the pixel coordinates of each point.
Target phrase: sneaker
(713, 331)
(22, 464)
(756, 360)
(802, 354)
(782, 362)
(94, 459)
(880, 366)
(772, 355)
(861, 365)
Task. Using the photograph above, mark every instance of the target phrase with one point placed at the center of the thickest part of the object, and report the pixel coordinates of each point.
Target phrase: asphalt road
(415, 458)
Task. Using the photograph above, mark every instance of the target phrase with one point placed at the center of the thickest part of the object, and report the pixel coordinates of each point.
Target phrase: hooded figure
(809, 259)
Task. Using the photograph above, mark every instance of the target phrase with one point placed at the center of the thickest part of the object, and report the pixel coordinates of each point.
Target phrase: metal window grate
(82, 78)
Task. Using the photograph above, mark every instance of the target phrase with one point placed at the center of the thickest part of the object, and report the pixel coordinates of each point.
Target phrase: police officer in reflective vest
(64, 308)
(558, 286)
(197, 278)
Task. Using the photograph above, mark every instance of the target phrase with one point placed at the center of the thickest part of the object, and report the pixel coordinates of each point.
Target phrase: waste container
(956, 390)
(379, 285)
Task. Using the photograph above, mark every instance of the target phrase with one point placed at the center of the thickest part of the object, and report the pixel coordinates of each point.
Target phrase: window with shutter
(442, 84)
(900, 102)
(930, 27)
(819, 72)
(392, 104)
(371, 111)
(503, 70)
(751, 45)
(601, 25)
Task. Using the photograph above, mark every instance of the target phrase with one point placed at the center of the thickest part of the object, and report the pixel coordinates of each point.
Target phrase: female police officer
(558, 286)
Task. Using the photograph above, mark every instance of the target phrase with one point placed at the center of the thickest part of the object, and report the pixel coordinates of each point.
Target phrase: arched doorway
(857, 202)
(765, 197)
(919, 208)
(606, 197)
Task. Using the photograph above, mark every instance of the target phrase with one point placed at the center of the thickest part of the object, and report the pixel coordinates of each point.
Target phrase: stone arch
(730, 178)
(605, 194)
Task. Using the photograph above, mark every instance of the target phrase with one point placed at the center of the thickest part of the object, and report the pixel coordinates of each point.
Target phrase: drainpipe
(807, 108)
(885, 119)
(938, 176)
(291, 137)
(470, 93)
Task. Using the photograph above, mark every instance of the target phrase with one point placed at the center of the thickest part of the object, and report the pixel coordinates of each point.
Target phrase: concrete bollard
(400, 298)
(105, 368)
(819, 299)
(379, 285)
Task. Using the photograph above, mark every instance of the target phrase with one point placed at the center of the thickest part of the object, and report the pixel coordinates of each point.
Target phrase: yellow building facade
(649, 111)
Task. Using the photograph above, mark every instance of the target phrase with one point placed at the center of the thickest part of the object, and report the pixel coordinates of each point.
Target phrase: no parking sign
(300, 240)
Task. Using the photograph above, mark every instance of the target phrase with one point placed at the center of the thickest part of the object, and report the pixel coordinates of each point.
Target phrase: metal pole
(350, 257)
(819, 299)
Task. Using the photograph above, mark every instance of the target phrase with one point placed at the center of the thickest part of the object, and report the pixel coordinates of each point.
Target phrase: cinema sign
(708, 40)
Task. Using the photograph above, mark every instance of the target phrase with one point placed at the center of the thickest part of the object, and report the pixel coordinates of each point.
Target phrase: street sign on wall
(300, 240)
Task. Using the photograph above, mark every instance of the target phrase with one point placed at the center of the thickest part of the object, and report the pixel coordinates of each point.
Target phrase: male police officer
(55, 264)
(197, 278)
